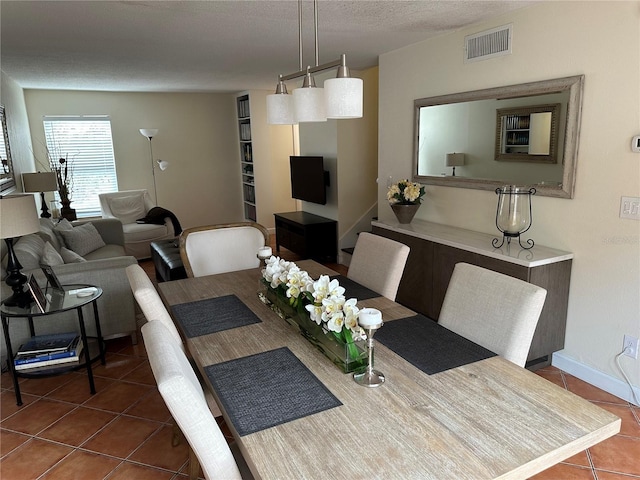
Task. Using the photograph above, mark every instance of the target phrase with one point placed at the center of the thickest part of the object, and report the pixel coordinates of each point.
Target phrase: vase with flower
(405, 198)
(64, 174)
(318, 309)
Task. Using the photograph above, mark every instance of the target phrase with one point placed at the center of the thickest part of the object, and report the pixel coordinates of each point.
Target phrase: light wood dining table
(484, 420)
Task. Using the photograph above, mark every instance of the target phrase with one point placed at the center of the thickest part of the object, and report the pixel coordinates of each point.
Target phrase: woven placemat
(267, 389)
(429, 346)
(212, 315)
(354, 289)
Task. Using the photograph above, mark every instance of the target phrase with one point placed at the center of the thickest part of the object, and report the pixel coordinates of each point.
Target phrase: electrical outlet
(631, 344)
(630, 208)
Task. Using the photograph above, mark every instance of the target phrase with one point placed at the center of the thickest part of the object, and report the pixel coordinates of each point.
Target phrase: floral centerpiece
(405, 192)
(319, 309)
(405, 198)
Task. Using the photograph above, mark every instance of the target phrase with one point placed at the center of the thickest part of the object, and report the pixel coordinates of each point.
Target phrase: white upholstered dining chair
(495, 311)
(183, 395)
(222, 248)
(154, 310)
(378, 263)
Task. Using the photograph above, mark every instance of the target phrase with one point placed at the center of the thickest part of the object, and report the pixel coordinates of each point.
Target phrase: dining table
(448, 409)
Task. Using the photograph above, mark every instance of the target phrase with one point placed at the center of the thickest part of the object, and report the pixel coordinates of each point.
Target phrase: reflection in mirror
(528, 134)
(470, 124)
(7, 181)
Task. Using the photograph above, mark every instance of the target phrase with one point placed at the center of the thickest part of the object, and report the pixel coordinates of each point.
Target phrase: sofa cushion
(141, 232)
(82, 239)
(69, 256)
(128, 209)
(108, 251)
(50, 256)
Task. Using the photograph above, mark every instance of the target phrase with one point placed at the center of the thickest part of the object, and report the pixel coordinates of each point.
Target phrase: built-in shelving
(246, 157)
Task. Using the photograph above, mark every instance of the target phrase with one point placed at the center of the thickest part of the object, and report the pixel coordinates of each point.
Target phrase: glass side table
(70, 299)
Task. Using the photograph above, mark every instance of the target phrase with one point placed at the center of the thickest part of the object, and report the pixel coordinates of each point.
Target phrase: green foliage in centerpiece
(320, 309)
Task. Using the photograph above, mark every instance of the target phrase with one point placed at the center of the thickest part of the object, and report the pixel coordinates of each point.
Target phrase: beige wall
(196, 132)
(350, 153)
(550, 40)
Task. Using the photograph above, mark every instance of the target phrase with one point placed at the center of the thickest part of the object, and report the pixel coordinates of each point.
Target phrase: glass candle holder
(513, 214)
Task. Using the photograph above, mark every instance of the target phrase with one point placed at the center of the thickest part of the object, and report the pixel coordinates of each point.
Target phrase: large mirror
(7, 181)
(462, 139)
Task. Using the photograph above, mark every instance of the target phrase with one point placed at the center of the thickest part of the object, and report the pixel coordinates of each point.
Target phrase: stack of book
(45, 351)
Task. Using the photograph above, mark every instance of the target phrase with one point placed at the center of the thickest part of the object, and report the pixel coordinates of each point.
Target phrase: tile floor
(124, 430)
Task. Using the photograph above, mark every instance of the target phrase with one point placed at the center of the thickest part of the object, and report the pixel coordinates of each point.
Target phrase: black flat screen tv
(308, 179)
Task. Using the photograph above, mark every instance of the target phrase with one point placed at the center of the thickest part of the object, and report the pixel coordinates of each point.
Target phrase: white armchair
(129, 206)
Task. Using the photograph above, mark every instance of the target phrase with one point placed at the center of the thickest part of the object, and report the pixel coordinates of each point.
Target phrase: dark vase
(405, 213)
(66, 211)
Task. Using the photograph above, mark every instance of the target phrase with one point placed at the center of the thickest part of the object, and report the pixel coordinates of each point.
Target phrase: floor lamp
(40, 182)
(18, 217)
(162, 164)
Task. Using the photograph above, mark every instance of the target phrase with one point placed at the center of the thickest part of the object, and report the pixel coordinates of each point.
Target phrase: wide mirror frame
(7, 179)
(570, 132)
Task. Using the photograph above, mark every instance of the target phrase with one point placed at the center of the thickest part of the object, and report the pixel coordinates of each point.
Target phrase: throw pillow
(28, 250)
(62, 225)
(128, 209)
(50, 256)
(70, 256)
(83, 239)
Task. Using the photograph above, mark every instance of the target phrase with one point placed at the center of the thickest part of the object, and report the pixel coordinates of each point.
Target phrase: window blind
(86, 143)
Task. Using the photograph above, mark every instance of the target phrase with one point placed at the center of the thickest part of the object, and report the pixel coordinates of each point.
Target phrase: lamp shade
(309, 104)
(280, 109)
(149, 132)
(455, 159)
(18, 216)
(163, 164)
(343, 97)
(39, 182)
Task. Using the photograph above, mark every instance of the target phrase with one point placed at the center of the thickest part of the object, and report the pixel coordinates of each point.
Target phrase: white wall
(550, 40)
(196, 134)
(350, 151)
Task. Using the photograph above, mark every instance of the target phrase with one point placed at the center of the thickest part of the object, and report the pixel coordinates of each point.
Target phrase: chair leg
(176, 437)
(194, 465)
(134, 337)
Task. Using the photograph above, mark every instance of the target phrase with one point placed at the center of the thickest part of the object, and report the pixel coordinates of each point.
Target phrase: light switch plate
(630, 208)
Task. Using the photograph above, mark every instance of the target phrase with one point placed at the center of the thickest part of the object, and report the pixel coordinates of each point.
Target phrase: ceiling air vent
(488, 44)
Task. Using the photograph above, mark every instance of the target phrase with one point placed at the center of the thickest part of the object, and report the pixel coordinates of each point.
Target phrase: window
(85, 142)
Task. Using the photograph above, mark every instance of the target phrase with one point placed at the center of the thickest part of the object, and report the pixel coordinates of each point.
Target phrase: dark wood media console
(308, 235)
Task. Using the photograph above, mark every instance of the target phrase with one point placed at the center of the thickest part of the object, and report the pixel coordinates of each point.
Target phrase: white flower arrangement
(323, 298)
(405, 192)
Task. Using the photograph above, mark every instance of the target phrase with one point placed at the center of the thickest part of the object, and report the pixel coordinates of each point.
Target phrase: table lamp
(455, 160)
(40, 182)
(18, 217)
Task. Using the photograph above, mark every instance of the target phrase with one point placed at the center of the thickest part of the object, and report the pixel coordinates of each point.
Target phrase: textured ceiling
(209, 45)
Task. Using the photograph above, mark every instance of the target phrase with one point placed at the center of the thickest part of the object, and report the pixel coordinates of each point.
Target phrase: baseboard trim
(609, 384)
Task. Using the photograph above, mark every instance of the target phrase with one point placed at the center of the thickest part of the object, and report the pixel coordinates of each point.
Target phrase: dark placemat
(354, 289)
(267, 389)
(429, 346)
(212, 315)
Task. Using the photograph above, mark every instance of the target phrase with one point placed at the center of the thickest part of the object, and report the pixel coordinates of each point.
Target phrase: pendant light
(343, 94)
(280, 106)
(308, 101)
(341, 97)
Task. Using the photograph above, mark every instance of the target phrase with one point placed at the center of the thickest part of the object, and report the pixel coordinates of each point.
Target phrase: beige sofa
(104, 267)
